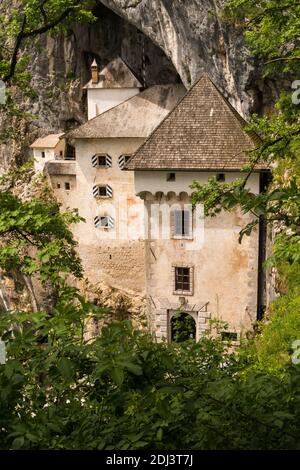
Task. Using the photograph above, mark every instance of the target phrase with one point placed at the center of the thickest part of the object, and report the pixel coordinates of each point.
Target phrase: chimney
(95, 72)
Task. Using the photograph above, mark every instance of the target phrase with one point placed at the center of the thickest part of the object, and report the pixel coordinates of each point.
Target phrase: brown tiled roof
(60, 167)
(202, 132)
(50, 141)
(136, 117)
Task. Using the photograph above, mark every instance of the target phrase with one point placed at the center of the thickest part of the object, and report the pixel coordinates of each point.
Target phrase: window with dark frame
(58, 185)
(102, 191)
(67, 186)
(182, 279)
(102, 160)
(171, 177)
(220, 177)
(182, 223)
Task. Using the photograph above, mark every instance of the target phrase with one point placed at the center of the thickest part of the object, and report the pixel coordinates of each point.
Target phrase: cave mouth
(112, 36)
(183, 327)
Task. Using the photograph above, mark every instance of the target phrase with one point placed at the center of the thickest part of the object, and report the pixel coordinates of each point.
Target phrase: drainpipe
(264, 179)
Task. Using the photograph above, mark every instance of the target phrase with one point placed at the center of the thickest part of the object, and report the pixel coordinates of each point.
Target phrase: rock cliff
(163, 41)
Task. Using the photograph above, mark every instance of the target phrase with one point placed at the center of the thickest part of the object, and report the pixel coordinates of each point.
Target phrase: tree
(28, 22)
(21, 27)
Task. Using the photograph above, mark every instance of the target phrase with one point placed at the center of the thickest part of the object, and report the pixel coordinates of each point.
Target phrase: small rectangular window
(220, 177)
(104, 221)
(102, 191)
(101, 161)
(171, 177)
(123, 159)
(43, 155)
(58, 185)
(182, 279)
(182, 223)
(229, 336)
(67, 186)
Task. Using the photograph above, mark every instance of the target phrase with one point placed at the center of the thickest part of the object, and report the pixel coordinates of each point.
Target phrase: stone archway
(182, 327)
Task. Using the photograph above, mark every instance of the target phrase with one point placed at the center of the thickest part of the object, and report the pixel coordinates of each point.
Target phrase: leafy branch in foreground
(272, 30)
(29, 21)
(35, 239)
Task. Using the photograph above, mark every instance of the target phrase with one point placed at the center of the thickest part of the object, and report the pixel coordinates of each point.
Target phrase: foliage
(272, 30)
(183, 327)
(21, 27)
(35, 238)
(124, 391)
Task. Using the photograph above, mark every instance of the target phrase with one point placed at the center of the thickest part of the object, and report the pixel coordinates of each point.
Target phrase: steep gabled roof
(116, 74)
(48, 142)
(202, 132)
(136, 117)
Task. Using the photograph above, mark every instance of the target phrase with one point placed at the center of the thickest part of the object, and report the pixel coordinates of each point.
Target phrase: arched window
(183, 327)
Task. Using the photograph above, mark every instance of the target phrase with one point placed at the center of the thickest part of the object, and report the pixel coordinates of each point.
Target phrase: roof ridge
(163, 120)
(170, 146)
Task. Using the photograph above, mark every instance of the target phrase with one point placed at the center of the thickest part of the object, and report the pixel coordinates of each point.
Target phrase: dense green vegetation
(59, 390)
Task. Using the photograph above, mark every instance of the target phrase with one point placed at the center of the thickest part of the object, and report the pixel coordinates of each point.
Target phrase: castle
(128, 171)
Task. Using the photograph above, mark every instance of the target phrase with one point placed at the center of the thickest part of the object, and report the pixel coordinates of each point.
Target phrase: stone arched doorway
(182, 327)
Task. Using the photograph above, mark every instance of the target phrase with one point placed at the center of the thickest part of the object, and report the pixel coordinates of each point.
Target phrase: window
(58, 185)
(61, 153)
(220, 177)
(229, 336)
(101, 161)
(43, 154)
(182, 279)
(67, 186)
(171, 177)
(182, 223)
(123, 159)
(70, 152)
(104, 221)
(102, 191)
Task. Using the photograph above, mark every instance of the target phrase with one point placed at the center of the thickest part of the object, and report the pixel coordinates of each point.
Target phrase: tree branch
(281, 59)
(14, 59)
(27, 34)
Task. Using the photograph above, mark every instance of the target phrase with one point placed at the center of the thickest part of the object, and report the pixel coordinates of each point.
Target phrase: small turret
(95, 72)
(111, 86)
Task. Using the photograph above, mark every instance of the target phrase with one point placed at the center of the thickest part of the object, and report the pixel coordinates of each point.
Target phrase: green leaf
(117, 375)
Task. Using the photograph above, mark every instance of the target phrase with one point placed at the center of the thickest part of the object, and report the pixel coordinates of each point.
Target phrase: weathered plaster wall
(115, 257)
(225, 272)
(101, 99)
(155, 181)
(50, 154)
